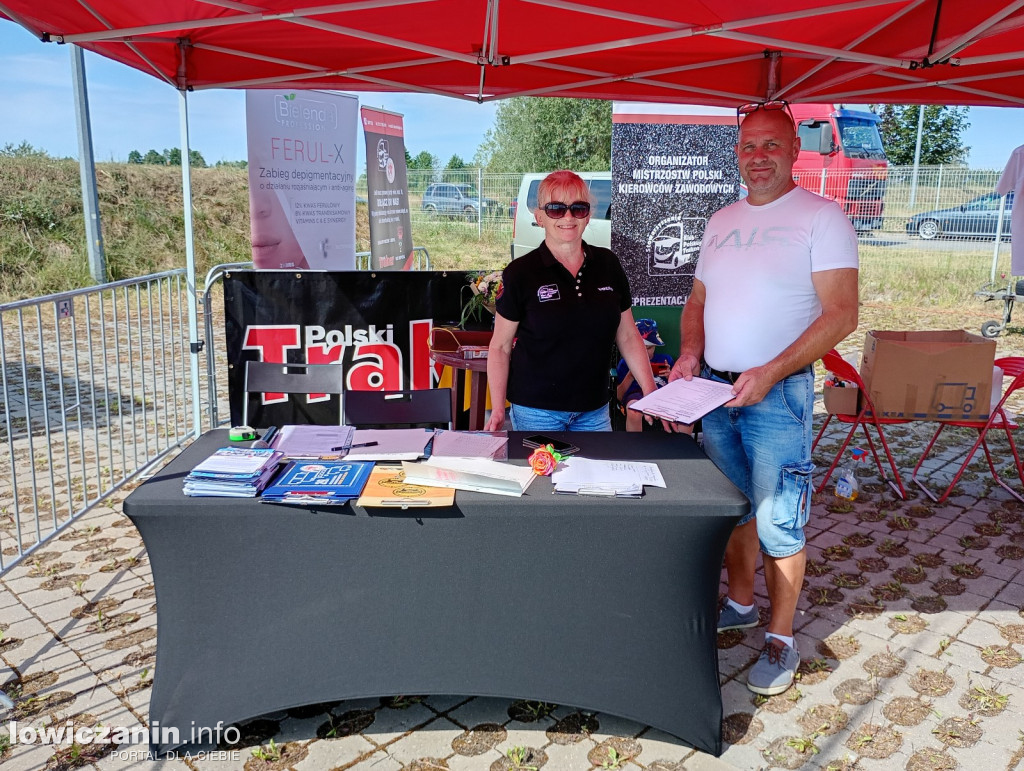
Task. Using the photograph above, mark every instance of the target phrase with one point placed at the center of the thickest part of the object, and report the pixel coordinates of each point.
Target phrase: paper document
(309, 441)
(476, 474)
(318, 481)
(388, 488)
(468, 444)
(585, 476)
(684, 401)
(389, 443)
(236, 463)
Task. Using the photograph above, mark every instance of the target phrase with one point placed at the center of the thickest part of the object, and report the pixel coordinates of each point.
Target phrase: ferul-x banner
(387, 185)
(302, 181)
(376, 326)
(673, 166)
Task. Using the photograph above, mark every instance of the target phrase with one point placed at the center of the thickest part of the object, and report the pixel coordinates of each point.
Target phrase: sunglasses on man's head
(751, 107)
(556, 209)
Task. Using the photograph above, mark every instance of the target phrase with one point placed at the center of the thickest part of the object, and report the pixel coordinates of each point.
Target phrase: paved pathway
(911, 629)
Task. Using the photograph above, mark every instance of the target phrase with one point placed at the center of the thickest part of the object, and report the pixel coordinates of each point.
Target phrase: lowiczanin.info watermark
(131, 743)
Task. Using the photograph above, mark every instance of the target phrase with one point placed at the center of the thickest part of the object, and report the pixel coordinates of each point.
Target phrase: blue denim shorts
(533, 419)
(765, 450)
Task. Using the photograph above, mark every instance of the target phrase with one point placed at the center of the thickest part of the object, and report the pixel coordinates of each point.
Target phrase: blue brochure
(323, 482)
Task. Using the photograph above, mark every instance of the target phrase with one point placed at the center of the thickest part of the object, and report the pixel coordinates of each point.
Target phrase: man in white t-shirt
(775, 288)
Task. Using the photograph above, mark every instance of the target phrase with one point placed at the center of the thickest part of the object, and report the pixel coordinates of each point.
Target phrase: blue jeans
(533, 419)
(765, 450)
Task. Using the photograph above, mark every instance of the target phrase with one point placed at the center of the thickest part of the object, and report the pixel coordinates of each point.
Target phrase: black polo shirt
(567, 325)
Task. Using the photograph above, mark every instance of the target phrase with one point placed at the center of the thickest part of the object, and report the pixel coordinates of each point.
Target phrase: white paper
(389, 443)
(684, 401)
(476, 474)
(310, 441)
(586, 476)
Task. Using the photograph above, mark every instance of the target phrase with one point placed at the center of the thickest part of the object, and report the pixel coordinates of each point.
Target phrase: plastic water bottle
(846, 480)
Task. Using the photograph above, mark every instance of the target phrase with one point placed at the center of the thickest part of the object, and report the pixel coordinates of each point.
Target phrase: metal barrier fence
(96, 387)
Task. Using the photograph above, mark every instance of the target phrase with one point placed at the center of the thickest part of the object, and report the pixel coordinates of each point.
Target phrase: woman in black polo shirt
(559, 310)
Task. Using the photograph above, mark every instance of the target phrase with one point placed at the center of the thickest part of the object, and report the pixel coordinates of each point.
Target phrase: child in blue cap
(627, 389)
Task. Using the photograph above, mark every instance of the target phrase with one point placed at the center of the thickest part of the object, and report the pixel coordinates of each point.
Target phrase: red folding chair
(865, 418)
(1012, 366)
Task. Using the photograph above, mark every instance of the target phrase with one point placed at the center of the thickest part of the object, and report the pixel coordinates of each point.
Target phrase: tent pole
(195, 344)
(87, 169)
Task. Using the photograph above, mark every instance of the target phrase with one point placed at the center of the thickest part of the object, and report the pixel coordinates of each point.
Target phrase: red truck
(841, 158)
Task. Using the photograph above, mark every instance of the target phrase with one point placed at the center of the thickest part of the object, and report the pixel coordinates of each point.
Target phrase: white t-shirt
(1012, 181)
(756, 263)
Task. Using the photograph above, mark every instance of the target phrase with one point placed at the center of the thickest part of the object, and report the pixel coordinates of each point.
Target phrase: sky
(133, 111)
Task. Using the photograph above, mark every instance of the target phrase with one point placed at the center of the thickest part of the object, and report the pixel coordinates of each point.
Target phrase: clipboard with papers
(617, 478)
(684, 401)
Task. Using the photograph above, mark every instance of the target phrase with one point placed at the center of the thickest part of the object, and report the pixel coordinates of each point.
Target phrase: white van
(527, 235)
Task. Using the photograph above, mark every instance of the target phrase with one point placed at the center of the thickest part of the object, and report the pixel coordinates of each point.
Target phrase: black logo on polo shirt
(548, 292)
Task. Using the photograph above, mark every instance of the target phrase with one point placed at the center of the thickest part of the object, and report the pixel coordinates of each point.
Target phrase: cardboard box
(841, 400)
(931, 375)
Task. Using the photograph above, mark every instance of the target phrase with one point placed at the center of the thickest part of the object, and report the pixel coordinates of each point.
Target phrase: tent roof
(718, 52)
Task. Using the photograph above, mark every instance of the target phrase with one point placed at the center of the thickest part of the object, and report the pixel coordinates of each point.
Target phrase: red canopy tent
(719, 52)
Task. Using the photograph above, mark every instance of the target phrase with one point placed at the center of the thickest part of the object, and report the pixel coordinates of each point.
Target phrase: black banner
(377, 325)
(387, 185)
(668, 177)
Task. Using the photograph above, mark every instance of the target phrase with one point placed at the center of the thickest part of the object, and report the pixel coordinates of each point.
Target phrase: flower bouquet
(484, 288)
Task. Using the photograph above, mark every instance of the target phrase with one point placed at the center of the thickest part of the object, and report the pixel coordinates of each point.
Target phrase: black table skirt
(602, 604)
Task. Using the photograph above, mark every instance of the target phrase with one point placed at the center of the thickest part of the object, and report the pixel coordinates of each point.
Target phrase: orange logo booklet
(387, 487)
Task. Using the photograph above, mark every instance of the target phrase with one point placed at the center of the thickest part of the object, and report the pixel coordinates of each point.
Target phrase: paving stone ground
(911, 630)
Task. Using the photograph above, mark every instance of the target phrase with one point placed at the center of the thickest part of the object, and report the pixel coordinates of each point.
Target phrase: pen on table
(353, 446)
(264, 441)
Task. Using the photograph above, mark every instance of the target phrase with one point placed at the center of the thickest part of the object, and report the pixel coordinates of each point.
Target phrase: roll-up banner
(673, 166)
(302, 178)
(376, 325)
(387, 190)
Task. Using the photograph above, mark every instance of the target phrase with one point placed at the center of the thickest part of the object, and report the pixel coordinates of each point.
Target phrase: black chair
(426, 408)
(275, 377)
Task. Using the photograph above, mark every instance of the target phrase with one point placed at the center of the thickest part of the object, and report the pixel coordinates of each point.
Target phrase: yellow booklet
(387, 487)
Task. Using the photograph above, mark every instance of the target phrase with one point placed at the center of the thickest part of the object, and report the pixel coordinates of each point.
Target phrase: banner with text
(673, 166)
(377, 326)
(387, 190)
(302, 180)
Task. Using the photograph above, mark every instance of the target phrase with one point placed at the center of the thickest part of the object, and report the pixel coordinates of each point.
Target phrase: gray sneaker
(775, 669)
(730, 618)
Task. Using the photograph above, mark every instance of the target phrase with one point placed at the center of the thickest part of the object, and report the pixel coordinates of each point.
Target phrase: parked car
(977, 217)
(458, 201)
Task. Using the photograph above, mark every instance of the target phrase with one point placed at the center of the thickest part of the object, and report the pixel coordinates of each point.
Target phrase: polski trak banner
(375, 325)
(673, 166)
(302, 178)
(387, 183)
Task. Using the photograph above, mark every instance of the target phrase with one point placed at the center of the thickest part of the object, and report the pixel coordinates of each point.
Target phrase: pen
(353, 446)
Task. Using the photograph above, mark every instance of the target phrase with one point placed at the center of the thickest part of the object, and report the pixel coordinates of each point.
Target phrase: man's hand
(686, 366)
(496, 420)
(751, 387)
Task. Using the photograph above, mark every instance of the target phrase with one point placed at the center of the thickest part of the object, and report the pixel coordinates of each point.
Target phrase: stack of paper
(625, 479)
(476, 474)
(471, 444)
(389, 443)
(233, 472)
(324, 482)
(309, 441)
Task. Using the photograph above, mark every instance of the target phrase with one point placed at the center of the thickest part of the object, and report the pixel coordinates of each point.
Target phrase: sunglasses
(556, 209)
(751, 107)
